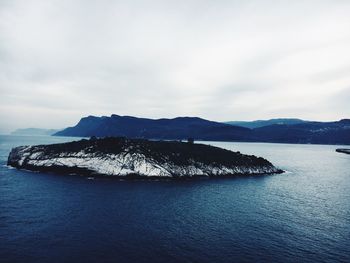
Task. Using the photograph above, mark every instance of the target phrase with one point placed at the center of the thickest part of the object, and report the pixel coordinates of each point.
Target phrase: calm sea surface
(300, 216)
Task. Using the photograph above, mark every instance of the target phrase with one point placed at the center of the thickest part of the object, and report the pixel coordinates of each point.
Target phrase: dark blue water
(300, 216)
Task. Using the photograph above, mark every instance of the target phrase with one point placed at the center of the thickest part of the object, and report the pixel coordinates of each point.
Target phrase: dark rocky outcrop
(347, 151)
(166, 129)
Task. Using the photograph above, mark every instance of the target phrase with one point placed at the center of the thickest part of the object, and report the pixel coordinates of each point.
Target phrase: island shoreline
(120, 157)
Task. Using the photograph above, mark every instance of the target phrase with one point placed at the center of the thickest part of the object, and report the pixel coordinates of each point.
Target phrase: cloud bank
(221, 60)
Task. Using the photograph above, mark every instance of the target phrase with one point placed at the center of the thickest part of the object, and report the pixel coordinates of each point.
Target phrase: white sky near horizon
(223, 60)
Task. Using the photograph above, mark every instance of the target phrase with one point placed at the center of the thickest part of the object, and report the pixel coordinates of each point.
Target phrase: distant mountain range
(276, 130)
(337, 132)
(262, 123)
(34, 131)
(178, 128)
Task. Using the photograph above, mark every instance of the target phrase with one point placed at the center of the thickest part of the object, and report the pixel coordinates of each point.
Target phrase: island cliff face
(129, 158)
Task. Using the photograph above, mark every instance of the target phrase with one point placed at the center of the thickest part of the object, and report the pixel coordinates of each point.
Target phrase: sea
(302, 215)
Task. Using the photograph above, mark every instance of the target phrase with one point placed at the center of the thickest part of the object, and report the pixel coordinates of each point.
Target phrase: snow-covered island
(133, 158)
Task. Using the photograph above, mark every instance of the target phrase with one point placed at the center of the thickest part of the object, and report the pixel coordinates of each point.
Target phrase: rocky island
(347, 151)
(134, 158)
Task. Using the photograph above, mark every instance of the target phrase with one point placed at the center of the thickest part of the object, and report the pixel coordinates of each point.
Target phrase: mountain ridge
(34, 131)
(176, 128)
(306, 132)
(262, 123)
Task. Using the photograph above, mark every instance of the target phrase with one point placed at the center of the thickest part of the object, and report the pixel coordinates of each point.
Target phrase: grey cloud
(61, 60)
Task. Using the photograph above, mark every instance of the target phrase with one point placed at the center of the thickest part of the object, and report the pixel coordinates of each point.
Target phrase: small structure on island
(190, 140)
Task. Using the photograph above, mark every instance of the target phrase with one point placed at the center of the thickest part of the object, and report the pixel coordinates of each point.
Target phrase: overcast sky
(220, 60)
